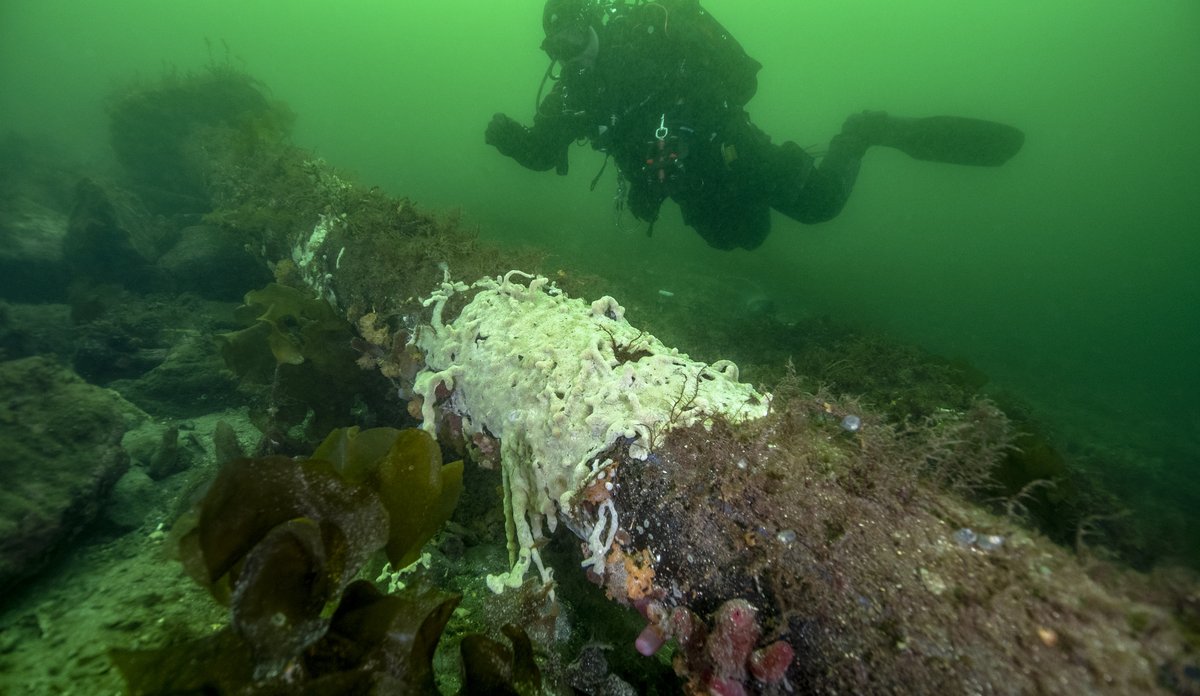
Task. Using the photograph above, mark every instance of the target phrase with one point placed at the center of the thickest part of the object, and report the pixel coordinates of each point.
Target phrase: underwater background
(1069, 276)
(1061, 287)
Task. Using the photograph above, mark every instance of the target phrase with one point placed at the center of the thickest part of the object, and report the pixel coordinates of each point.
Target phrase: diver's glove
(506, 135)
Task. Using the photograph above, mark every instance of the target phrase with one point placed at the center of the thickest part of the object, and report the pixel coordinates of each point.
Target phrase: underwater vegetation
(1047, 483)
(853, 553)
(841, 538)
(152, 128)
(837, 546)
(283, 543)
(296, 355)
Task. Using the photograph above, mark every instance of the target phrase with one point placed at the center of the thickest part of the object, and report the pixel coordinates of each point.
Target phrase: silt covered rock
(60, 460)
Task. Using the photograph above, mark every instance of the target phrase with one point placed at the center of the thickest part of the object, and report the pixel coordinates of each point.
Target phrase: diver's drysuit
(661, 87)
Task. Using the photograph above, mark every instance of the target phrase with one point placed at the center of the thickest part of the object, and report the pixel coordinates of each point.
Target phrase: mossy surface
(60, 458)
(154, 129)
(852, 549)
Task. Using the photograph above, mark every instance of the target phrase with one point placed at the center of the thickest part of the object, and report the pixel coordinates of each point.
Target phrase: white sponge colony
(559, 382)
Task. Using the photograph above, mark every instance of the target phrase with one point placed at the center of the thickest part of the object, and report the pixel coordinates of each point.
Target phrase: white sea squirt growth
(558, 382)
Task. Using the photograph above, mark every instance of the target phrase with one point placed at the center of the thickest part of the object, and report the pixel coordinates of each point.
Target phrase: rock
(213, 263)
(31, 258)
(60, 460)
(190, 380)
(108, 240)
(163, 449)
(120, 345)
(119, 335)
(35, 194)
(35, 329)
(141, 443)
(167, 459)
(133, 499)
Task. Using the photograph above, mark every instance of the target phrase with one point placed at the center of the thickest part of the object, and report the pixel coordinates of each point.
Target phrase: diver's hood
(572, 43)
(569, 26)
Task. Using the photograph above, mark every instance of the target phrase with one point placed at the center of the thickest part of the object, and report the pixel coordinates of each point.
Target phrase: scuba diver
(661, 88)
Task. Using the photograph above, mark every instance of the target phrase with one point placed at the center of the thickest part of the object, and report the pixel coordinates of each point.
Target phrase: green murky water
(1069, 276)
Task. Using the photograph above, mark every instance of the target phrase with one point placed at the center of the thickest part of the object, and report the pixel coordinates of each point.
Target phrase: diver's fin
(954, 140)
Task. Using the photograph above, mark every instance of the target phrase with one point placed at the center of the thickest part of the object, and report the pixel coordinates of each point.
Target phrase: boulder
(31, 258)
(109, 239)
(213, 262)
(61, 458)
